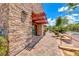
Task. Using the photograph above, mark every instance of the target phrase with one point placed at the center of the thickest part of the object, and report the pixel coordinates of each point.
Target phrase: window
(23, 16)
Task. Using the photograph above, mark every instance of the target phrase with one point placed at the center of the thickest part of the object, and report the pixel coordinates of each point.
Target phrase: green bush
(3, 46)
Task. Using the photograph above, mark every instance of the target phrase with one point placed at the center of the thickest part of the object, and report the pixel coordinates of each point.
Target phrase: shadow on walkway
(35, 40)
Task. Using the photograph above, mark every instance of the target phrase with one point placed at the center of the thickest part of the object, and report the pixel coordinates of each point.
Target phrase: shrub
(3, 46)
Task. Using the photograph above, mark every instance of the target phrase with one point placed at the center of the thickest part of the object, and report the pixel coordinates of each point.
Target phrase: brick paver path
(47, 46)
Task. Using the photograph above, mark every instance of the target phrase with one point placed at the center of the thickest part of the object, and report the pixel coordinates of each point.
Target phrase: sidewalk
(47, 46)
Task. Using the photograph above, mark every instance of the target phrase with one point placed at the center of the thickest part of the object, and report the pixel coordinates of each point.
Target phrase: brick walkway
(47, 46)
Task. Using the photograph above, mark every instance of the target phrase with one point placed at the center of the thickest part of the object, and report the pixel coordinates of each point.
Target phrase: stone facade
(39, 26)
(40, 29)
(17, 23)
(18, 32)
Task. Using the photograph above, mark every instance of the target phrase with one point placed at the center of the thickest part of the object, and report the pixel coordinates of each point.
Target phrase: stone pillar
(39, 29)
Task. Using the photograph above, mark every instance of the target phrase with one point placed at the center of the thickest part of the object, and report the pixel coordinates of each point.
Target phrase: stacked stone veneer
(18, 33)
(4, 17)
(40, 29)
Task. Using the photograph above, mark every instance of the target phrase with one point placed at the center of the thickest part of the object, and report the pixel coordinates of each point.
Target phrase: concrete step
(69, 51)
(68, 48)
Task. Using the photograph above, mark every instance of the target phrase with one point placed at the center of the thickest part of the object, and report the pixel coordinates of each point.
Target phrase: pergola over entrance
(38, 21)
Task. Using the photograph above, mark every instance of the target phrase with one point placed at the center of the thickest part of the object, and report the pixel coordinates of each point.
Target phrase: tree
(72, 6)
(60, 24)
(65, 21)
(59, 21)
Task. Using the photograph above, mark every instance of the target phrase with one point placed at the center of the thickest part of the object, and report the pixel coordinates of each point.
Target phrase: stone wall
(39, 29)
(17, 23)
(37, 8)
(19, 31)
(43, 29)
(4, 9)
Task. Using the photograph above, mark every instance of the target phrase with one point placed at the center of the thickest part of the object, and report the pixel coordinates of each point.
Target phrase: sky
(53, 10)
